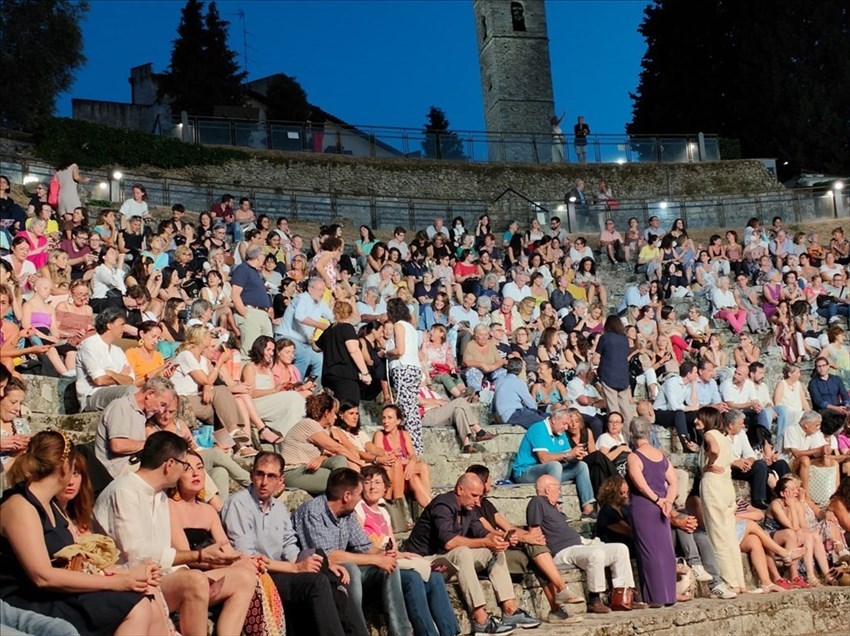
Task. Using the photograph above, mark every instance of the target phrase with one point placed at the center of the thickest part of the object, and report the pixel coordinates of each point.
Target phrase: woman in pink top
(39, 246)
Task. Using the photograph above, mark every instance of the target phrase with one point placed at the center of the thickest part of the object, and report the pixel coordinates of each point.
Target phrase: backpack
(53, 192)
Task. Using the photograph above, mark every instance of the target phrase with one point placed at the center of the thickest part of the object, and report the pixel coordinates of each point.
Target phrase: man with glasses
(133, 510)
(121, 428)
(78, 250)
(257, 523)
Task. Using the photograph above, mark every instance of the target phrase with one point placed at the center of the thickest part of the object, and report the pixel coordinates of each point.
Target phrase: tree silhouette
(203, 71)
(42, 46)
(286, 100)
(773, 75)
(222, 60)
(440, 142)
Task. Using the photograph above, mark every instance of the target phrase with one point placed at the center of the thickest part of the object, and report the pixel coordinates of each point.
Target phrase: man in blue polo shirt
(251, 301)
(305, 314)
(546, 450)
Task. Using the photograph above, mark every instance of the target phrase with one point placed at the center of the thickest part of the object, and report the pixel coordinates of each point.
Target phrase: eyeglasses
(186, 465)
(259, 474)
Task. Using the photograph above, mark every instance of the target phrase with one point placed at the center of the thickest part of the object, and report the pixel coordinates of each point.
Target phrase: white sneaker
(701, 574)
(721, 591)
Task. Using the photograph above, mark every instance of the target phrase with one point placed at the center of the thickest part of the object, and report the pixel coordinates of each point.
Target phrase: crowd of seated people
(248, 341)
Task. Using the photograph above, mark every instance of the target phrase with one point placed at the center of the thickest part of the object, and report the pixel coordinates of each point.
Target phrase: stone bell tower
(516, 77)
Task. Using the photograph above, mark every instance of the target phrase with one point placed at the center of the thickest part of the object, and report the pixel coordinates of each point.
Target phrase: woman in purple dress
(653, 486)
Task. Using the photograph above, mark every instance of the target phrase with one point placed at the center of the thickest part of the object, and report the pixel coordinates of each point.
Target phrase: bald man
(566, 544)
(451, 526)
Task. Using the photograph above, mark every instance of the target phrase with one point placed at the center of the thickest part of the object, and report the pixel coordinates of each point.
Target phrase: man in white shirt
(518, 288)
(636, 296)
(372, 307)
(121, 428)
(465, 312)
(103, 373)
(653, 228)
(133, 510)
(300, 321)
(707, 391)
(398, 243)
(678, 396)
(808, 447)
(439, 227)
(508, 315)
(746, 466)
(586, 399)
(768, 413)
(739, 393)
(381, 279)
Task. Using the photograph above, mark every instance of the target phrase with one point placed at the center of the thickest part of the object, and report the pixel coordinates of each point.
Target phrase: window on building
(518, 16)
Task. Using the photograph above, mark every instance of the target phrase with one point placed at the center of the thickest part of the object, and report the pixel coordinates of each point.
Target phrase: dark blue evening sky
(379, 62)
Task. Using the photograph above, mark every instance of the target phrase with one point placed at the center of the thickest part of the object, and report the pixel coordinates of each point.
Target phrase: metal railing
(461, 145)
(384, 211)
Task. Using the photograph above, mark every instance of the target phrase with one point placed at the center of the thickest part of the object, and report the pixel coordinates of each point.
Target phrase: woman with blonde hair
(58, 273)
(33, 530)
(195, 378)
(37, 241)
(39, 320)
(528, 313)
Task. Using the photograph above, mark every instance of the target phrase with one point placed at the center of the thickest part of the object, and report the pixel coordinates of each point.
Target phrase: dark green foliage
(440, 142)
(203, 71)
(774, 75)
(286, 100)
(227, 79)
(96, 146)
(41, 45)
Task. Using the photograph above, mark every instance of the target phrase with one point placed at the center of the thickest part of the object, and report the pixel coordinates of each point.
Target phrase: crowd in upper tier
(205, 344)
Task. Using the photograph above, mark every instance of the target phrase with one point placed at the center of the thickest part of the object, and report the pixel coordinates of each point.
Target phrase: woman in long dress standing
(718, 498)
(69, 176)
(405, 370)
(653, 483)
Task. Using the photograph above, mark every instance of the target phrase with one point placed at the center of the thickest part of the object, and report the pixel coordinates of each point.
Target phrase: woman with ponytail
(33, 528)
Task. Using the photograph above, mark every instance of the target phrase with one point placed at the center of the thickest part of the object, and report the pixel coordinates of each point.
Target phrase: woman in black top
(371, 338)
(612, 524)
(343, 361)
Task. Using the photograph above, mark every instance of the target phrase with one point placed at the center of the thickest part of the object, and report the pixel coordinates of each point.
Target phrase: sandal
(239, 435)
(800, 582)
(768, 589)
(246, 452)
(814, 582)
(788, 558)
(269, 435)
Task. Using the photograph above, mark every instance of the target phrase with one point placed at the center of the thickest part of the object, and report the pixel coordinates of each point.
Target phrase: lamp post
(838, 198)
(115, 191)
